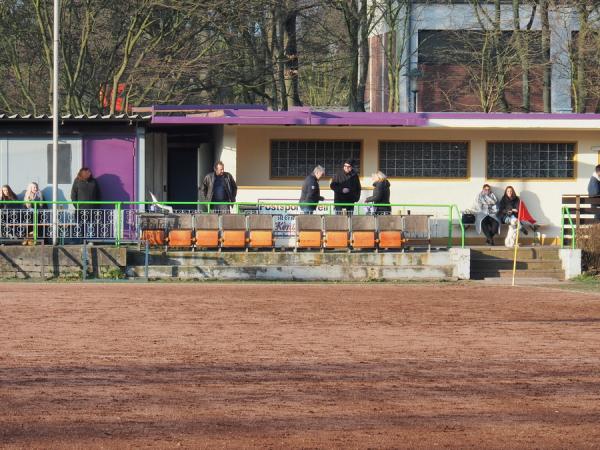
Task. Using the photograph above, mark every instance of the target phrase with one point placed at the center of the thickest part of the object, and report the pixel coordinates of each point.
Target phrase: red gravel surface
(298, 366)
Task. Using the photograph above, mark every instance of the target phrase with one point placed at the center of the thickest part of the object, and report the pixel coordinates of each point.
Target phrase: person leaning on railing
(381, 194)
(594, 186)
(311, 191)
(7, 195)
(32, 194)
(8, 217)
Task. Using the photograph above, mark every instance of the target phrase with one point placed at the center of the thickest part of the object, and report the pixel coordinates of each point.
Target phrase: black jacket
(85, 191)
(506, 206)
(343, 180)
(228, 184)
(311, 192)
(594, 187)
(381, 194)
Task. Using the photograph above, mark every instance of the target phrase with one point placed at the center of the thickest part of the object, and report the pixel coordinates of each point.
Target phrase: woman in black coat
(508, 208)
(381, 194)
(85, 189)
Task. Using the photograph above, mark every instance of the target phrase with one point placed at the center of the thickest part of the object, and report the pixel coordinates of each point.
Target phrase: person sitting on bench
(486, 219)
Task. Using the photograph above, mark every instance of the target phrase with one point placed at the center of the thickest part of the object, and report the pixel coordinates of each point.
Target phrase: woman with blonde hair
(486, 219)
(33, 194)
(381, 193)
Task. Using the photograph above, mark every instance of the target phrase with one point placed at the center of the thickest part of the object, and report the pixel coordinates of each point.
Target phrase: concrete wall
(543, 198)
(60, 262)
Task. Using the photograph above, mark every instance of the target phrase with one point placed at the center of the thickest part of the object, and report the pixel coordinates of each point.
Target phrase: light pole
(55, 118)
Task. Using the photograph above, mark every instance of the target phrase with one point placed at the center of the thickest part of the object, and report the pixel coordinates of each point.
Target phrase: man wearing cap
(346, 187)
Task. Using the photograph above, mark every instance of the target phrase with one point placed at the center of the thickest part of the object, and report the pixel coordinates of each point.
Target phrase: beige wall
(543, 198)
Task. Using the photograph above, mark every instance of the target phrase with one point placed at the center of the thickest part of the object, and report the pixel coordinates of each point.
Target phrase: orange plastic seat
(154, 237)
(207, 238)
(180, 238)
(260, 239)
(391, 239)
(336, 239)
(363, 239)
(309, 239)
(233, 239)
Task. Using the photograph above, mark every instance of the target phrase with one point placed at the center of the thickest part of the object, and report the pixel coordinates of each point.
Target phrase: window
(406, 159)
(299, 158)
(64, 163)
(530, 160)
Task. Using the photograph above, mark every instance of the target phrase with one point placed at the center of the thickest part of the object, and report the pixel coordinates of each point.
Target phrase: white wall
(543, 197)
(23, 160)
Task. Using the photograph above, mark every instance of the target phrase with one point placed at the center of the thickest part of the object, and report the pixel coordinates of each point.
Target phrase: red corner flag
(524, 215)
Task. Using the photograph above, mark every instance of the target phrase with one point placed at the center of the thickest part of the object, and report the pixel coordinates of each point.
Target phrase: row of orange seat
(237, 231)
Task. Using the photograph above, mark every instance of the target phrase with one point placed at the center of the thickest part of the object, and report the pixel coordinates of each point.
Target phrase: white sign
(284, 223)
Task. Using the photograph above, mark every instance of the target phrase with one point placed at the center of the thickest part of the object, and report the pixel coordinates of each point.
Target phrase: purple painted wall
(112, 161)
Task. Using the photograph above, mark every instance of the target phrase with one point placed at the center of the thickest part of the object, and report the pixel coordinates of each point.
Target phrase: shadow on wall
(534, 206)
(112, 188)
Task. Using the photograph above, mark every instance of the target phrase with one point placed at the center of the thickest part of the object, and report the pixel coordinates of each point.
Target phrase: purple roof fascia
(304, 116)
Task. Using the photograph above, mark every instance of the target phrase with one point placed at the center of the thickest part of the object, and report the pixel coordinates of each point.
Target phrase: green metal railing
(124, 211)
(566, 214)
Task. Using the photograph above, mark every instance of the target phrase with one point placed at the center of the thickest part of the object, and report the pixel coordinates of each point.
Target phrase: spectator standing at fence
(381, 194)
(594, 187)
(32, 194)
(7, 194)
(85, 189)
(311, 191)
(486, 220)
(346, 187)
(219, 186)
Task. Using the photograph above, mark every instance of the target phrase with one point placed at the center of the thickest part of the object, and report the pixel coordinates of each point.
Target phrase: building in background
(469, 56)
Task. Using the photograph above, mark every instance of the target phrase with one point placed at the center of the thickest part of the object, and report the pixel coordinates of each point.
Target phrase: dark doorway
(182, 175)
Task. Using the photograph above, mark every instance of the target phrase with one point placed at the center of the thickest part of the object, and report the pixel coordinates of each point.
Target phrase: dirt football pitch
(298, 366)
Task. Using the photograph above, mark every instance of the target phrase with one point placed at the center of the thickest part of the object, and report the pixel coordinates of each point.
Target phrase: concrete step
(531, 273)
(508, 253)
(507, 281)
(301, 258)
(522, 264)
(294, 273)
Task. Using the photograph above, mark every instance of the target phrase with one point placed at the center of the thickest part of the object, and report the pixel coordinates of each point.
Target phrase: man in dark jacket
(85, 189)
(311, 192)
(219, 186)
(346, 187)
(594, 187)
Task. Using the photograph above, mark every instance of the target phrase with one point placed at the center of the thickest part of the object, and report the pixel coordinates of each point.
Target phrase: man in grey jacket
(594, 187)
(219, 186)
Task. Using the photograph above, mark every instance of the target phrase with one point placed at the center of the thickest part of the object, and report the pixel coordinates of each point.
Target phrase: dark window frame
(528, 167)
(427, 155)
(331, 161)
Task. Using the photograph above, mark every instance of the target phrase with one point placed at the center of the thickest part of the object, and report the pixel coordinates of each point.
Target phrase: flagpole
(55, 117)
(516, 243)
